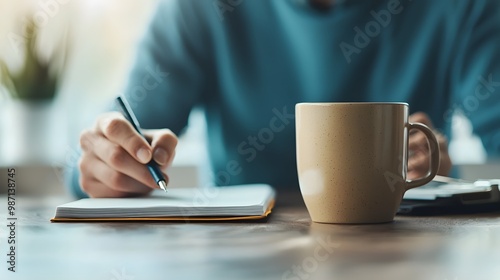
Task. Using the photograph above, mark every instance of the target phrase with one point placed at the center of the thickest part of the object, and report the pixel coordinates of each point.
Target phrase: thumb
(163, 143)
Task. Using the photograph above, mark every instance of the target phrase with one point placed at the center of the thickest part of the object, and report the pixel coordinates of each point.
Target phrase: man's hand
(419, 155)
(114, 157)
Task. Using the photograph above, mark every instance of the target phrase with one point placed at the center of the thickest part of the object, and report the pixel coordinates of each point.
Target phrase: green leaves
(35, 81)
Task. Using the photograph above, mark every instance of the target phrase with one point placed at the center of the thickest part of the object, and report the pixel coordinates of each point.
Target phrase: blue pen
(152, 165)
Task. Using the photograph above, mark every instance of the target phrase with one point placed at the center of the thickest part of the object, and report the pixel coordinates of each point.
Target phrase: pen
(152, 165)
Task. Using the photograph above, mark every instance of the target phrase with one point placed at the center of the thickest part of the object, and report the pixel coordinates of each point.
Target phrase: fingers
(418, 142)
(119, 131)
(118, 159)
(114, 157)
(95, 188)
(99, 180)
(419, 154)
(418, 165)
(421, 117)
(163, 142)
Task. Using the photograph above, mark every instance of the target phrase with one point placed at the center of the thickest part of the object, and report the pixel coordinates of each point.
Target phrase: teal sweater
(248, 62)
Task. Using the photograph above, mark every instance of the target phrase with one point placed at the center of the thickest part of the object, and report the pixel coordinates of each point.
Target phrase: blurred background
(60, 60)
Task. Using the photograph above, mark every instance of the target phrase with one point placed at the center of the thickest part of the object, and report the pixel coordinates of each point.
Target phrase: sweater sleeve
(172, 66)
(169, 75)
(476, 72)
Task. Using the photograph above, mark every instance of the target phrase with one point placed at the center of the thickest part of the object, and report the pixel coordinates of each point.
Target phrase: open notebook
(244, 202)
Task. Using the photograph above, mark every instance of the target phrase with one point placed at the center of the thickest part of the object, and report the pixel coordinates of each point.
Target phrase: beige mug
(352, 160)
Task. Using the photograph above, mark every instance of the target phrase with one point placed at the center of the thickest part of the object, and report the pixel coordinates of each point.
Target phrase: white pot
(31, 133)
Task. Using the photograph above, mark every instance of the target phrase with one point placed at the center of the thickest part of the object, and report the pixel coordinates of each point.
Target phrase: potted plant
(29, 114)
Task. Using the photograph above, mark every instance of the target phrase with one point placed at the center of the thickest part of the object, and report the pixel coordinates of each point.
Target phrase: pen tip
(163, 185)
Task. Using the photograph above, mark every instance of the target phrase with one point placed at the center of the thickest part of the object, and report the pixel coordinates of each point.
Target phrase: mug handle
(434, 150)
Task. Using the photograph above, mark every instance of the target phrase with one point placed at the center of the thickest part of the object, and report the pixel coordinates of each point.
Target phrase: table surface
(287, 246)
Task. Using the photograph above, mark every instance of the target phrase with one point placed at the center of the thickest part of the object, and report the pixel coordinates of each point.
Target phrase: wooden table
(287, 246)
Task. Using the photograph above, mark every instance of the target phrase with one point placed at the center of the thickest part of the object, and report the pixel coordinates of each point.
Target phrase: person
(247, 63)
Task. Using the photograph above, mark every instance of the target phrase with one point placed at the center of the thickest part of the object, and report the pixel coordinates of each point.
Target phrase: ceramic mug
(352, 160)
